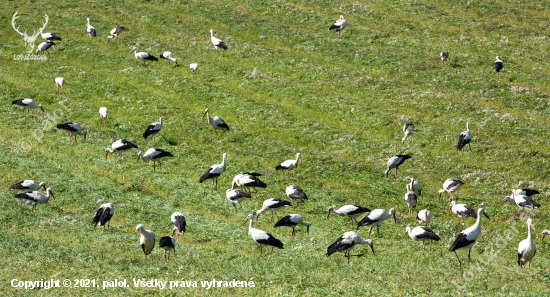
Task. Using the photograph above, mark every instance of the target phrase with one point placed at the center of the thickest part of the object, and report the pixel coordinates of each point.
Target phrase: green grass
(341, 102)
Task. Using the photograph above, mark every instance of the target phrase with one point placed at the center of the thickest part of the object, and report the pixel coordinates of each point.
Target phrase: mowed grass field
(340, 102)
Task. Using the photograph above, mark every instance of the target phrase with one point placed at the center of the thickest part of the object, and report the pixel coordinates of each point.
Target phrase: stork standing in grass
(236, 196)
(450, 185)
(408, 130)
(465, 138)
(153, 129)
(293, 220)
(103, 215)
(422, 234)
(146, 240)
(114, 33)
(178, 220)
(351, 211)
(217, 123)
(395, 162)
(27, 104)
(194, 67)
(522, 201)
(415, 186)
(28, 185)
(444, 56)
(49, 36)
(120, 146)
(347, 242)
(59, 83)
(411, 199)
(272, 204)
(544, 233)
(468, 237)
(462, 210)
(375, 218)
(498, 65)
(90, 29)
(73, 129)
(155, 155)
(424, 216)
(214, 172)
(216, 42)
(103, 112)
(35, 197)
(339, 25)
(168, 56)
(167, 243)
(527, 248)
(248, 180)
(261, 237)
(295, 193)
(289, 165)
(144, 56)
(44, 47)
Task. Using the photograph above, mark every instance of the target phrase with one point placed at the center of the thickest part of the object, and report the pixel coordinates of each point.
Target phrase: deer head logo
(29, 40)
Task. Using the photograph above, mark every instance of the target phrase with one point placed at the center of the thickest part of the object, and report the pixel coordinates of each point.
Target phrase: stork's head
(299, 156)
(140, 228)
(392, 212)
(330, 209)
(206, 112)
(544, 233)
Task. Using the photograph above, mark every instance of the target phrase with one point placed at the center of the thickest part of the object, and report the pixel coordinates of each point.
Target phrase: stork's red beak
(404, 234)
(245, 221)
(204, 114)
(106, 154)
(301, 160)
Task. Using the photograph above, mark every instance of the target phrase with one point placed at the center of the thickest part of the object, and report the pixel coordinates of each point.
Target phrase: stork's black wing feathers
(97, 216)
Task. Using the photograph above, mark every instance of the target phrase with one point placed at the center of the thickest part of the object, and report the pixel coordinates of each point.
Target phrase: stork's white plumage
(422, 234)
(27, 104)
(146, 240)
(261, 237)
(114, 33)
(153, 129)
(35, 197)
(194, 67)
(167, 243)
(248, 180)
(351, 211)
(522, 201)
(44, 47)
(424, 216)
(293, 220)
(468, 237)
(144, 56)
(444, 56)
(411, 199)
(178, 220)
(120, 146)
(216, 42)
(339, 25)
(416, 187)
(90, 29)
(73, 129)
(465, 138)
(28, 185)
(48, 36)
(217, 123)
(347, 242)
(375, 218)
(272, 204)
(103, 215)
(236, 196)
(59, 83)
(155, 155)
(526, 192)
(462, 210)
(527, 248)
(395, 162)
(169, 56)
(103, 113)
(408, 130)
(214, 172)
(451, 185)
(289, 165)
(295, 193)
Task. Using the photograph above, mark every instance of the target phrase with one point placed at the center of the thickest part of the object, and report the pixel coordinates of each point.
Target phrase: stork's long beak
(204, 114)
(542, 239)
(106, 153)
(51, 193)
(450, 207)
(138, 158)
(394, 219)
(232, 186)
(227, 159)
(404, 234)
(245, 221)
(84, 138)
(505, 200)
(328, 214)
(372, 248)
(533, 227)
(489, 217)
(439, 195)
(301, 160)
(308, 230)
(42, 108)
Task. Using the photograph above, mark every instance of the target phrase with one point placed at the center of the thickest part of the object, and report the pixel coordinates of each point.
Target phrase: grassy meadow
(285, 85)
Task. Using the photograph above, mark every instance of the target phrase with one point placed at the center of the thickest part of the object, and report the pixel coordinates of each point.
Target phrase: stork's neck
(251, 224)
(223, 162)
(477, 225)
(529, 234)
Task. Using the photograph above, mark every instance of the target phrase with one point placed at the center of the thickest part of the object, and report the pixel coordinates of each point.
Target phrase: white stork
(498, 65)
(416, 187)
(339, 25)
(168, 56)
(411, 199)
(424, 216)
(214, 172)
(103, 113)
(178, 220)
(167, 243)
(544, 233)
(44, 47)
(526, 192)
(114, 33)
(462, 210)
(217, 123)
(143, 56)
(351, 211)
(120, 146)
(468, 237)
(194, 67)
(59, 83)
(73, 129)
(216, 42)
(35, 197)
(236, 196)
(408, 130)
(28, 185)
(395, 162)
(444, 56)
(103, 215)
(49, 36)
(27, 104)
(146, 240)
(248, 180)
(90, 29)
(465, 138)
(261, 237)
(451, 185)
(522, 201)
(347, 242)
(155, 155)
(375, 218)
(422, 233)
(272, 204)
(295, 193)
(153, 129)
(293, 220)
(527, 248)
(289, 165)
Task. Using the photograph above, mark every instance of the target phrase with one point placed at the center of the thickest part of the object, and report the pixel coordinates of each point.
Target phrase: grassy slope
(340, 102)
